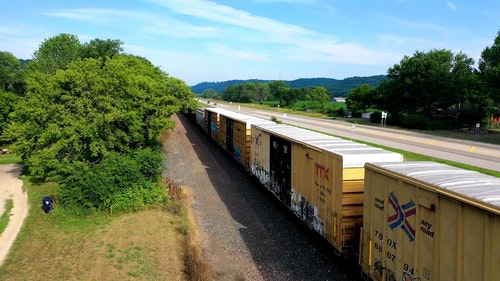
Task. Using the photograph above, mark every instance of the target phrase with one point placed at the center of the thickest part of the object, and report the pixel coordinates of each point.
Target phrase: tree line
(438, 89)
(88, 117)
(337, 87)
(278, 92)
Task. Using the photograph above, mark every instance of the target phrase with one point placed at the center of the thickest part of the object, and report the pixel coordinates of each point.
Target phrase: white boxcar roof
(479, 187)
(247, 119)
(354, 155)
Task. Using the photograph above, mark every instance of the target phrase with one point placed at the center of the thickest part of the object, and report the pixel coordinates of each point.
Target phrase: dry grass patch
(196, 267)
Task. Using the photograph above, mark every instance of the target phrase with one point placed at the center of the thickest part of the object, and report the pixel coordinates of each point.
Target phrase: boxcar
(231, 131)
(430, 221)
(200, 117)
(319, 177)
(210, 122)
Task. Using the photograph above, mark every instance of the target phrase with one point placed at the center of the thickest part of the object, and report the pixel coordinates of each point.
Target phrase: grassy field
(155, 244)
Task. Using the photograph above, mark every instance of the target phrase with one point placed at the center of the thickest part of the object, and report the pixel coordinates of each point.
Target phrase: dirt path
(11, 187)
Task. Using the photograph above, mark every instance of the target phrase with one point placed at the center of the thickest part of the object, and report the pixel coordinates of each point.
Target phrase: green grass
(410, 156)
(66, 246)
(4, 219)
(9, 158)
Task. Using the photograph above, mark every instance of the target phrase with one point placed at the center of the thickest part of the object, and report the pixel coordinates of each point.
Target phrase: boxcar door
(280, 168)
(426, 231)
(229, 136)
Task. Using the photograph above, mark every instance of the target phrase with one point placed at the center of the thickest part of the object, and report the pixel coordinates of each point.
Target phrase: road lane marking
(432, 142)
(472, 148)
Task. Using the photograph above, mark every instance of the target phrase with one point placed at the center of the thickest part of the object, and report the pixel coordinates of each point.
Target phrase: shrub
(118, 183)
(415, 121)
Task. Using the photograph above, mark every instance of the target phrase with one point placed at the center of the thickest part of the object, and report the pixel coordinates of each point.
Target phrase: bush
(118, 183)
(415, 121)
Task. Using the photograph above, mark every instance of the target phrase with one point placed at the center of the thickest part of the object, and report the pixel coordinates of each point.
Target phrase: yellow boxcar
(319, 177)
(211, 121)
(430, 221)
(233, 134)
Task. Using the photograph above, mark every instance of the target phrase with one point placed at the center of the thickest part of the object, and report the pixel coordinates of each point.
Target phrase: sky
(219, 40)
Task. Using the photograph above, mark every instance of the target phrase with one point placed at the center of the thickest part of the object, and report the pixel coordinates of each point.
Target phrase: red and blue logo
(401, 215)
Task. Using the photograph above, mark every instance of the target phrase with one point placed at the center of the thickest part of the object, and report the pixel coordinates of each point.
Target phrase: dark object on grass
(47, 204)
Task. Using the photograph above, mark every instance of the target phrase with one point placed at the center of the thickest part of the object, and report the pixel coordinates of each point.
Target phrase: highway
(472, 153)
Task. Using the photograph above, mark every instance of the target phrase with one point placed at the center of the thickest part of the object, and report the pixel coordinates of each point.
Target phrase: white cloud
(451, 6)
(223, 50)
(288, 1)
(223, 14)
(96, 16)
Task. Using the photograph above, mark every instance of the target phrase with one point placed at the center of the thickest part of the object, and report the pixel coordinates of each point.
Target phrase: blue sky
(197, 40)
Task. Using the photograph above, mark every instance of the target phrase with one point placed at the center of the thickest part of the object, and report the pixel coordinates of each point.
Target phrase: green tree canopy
(427, 82)
(56, 52)
(280, 91)
(85, 111)
(317, 97)
(360, 98)
(210, 94)
(8, 100)
(98, 48)
(489, 70)
(246, 92)
(10, 68)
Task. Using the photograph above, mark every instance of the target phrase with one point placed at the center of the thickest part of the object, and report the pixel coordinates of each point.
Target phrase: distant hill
(335, 86)
(24, 62)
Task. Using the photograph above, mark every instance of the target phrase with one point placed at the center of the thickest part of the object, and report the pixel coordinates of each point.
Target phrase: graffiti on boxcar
(204, 123)
(378, 269)
(306, 212)
(378, 272)
(261, 174)
(390, 276)
(257, 139)
(237, 154)
(401, 215)
(213, 129)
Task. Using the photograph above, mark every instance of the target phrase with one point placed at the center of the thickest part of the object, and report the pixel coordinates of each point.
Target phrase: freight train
(402, 220)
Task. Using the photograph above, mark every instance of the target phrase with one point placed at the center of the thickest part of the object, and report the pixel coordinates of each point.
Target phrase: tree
(426, 82)
(57, 52)
(247, 92)
(8, 100)
(282, 93)
(317, 97)
(489, 72)
(210, 94)
(98, 48)
(261, 91)
(10, 68)
(232, 93)
(360, 98)
(86, 111)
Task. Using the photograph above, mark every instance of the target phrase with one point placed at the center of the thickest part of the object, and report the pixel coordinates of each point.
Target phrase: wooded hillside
(335, 86)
